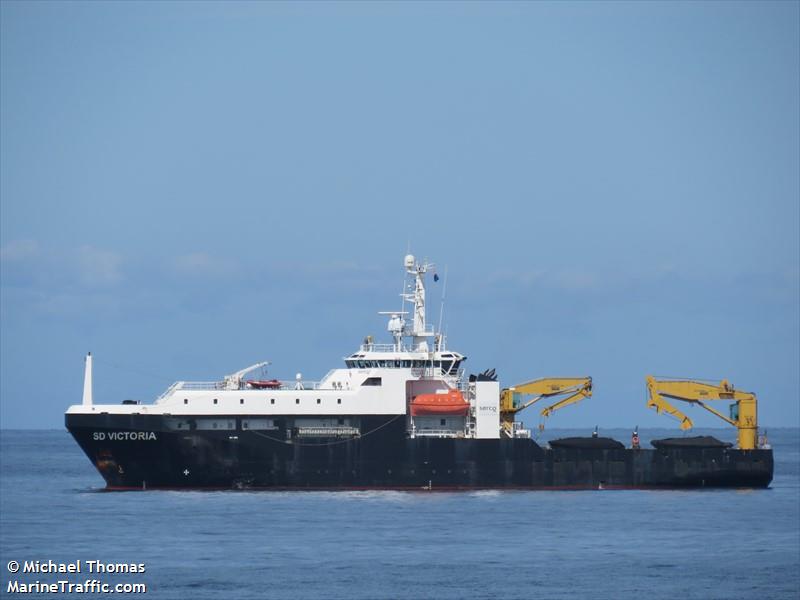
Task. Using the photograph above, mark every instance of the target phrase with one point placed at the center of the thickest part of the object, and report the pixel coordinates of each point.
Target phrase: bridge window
(361, 364)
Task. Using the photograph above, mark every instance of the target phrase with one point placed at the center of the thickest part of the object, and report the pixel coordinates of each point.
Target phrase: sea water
(702, 544)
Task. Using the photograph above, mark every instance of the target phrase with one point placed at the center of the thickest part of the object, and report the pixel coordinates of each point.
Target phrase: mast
(87, 381)
(419, 332)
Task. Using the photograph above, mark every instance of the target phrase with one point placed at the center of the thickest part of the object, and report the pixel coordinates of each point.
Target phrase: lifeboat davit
(269, 384)
(451, 403)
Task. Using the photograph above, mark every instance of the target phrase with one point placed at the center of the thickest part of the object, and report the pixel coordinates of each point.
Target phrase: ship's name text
(116, 436)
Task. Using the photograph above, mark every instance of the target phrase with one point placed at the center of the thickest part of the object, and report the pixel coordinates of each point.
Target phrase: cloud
(99, 267)
(203, 264)
(577, 280)
(19, 250)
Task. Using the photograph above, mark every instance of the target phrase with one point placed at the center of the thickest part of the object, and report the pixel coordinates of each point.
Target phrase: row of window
(271, 400)
(444, 365)
(210, 424)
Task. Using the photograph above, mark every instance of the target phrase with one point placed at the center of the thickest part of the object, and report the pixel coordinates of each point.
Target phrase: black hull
(142, 452)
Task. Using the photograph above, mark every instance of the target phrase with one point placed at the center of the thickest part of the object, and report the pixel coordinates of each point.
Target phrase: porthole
(186, 401)
(241, 400)
(272, 400)
(338, 401)
(319, 401)
(297, 401)
(215, 400)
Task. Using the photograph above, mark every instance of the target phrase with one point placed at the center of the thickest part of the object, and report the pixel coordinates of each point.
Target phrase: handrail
(436, 432)
(175, 386)
(202, 385)
(221, 386)
(328, 431)
(381, 348)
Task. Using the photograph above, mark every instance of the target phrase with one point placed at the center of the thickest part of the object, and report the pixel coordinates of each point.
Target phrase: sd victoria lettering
(116, 436)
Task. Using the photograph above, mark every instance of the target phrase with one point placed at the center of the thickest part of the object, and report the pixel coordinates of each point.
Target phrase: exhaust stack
(87, 381)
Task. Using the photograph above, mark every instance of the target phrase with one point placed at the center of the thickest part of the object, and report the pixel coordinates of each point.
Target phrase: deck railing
(436, 433)
(222, 386)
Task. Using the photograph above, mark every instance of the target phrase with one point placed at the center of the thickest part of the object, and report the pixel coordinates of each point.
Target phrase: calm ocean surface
(701, 544)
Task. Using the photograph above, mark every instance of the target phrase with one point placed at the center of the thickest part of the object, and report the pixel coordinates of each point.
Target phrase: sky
(188, 188)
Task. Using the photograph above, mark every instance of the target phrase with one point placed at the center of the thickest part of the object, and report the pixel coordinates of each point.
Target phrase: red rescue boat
(451, 403)
(268, 384)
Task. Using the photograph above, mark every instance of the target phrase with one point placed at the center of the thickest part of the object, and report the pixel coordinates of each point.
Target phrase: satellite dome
(409, 261)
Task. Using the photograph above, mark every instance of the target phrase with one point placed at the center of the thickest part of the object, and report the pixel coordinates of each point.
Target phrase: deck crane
(515, 398)
(743, 411)
(234, 382)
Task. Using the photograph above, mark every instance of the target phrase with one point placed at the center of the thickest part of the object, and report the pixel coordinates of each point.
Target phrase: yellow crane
(523, 395)
(743, 411)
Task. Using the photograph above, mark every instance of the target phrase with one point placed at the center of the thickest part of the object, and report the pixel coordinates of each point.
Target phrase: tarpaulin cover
(589, 443)
(698, 441)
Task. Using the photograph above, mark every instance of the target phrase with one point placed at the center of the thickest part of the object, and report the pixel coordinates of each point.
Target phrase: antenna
(441, 308)
(403, 293)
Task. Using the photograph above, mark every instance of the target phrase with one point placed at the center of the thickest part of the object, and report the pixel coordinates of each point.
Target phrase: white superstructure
(378, 379)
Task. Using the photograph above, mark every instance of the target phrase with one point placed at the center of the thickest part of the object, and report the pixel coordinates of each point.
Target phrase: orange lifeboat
(451, 403)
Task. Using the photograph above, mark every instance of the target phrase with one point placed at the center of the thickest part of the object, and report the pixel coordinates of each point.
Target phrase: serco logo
(489, 408)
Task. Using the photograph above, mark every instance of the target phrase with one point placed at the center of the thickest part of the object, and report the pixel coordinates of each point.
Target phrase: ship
(403, 415)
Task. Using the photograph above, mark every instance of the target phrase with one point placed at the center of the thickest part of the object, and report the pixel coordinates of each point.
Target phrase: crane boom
(743, 410)
(573, 399)
(515, 398)
(234, 382)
